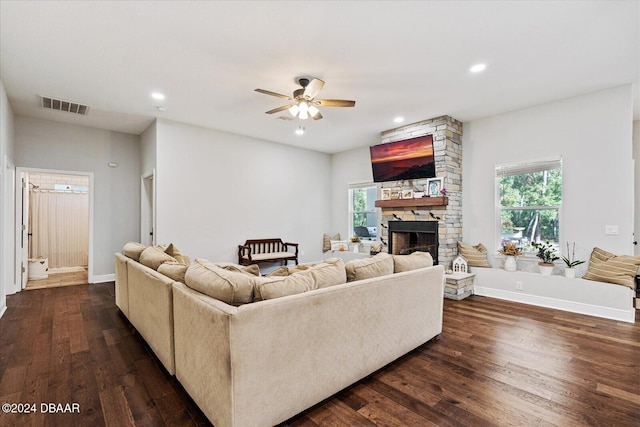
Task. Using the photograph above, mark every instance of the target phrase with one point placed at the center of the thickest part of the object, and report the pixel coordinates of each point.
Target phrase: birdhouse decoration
(460, 265)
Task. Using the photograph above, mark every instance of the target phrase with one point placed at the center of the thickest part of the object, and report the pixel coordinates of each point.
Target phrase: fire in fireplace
(406, 237)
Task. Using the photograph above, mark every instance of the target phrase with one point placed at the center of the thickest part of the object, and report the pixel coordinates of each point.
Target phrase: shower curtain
(59, 226)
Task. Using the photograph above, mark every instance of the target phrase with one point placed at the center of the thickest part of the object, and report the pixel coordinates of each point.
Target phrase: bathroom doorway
(56, 221)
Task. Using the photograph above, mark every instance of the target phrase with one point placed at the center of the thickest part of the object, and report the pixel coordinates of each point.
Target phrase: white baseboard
(103, 278)
(574, 307)
(2, 311)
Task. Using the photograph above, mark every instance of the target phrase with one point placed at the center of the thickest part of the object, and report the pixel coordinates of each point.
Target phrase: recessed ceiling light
(399, 119)
(477, 68)
(157, 95)
(300, 130)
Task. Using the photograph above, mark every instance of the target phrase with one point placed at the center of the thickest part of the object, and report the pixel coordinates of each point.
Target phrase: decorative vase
(570, 273)
(545, 269)
(510, 263)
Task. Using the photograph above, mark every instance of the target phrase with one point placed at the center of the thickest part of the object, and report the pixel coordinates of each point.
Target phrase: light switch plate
(611, 230)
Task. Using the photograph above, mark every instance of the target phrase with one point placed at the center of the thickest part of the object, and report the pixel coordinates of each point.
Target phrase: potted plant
(510, 252)
(571, 261)
(547, 254)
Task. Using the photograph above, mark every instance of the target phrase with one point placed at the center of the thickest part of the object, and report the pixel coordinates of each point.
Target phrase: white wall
(636, 157)
(347, 167)
(50, 145)
(592, 133)
(6, 199)
(215, 190)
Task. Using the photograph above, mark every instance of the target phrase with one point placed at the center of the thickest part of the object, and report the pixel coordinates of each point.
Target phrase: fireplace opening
(406, 237)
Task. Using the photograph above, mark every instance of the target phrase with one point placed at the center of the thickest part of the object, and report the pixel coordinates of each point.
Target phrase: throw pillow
(154, 256)
(607, 267)
(232, 287)
(412, 261)
(171, 250)
(476, 256)
(133, 250)
(365, 268)
(173, 270)
(276, 287)
(326, 241)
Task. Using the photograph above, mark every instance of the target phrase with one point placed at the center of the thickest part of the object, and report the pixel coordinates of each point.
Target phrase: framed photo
(395, 193)
(434, 185)
(407, 194)
(386, 193)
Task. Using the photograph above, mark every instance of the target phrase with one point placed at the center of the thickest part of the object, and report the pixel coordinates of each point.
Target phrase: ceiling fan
(304, 104)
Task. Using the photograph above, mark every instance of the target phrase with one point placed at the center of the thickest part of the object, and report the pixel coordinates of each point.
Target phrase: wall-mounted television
(406, 159)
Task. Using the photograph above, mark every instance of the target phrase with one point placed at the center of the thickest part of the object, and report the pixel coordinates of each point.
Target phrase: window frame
(527, 166)
(351, 211)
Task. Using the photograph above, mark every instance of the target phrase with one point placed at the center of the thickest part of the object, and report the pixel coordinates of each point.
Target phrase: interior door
(24, 226)
(147, 210)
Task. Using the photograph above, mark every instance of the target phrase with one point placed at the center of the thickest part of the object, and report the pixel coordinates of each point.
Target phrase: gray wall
(215, 190)
(7, 261)
(44, 144)
(636, 157)
(592, 133)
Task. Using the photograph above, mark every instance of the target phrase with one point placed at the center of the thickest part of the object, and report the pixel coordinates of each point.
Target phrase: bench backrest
(265, 246)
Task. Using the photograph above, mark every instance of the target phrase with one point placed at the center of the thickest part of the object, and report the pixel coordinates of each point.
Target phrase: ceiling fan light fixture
(313, 111)
(294, 110)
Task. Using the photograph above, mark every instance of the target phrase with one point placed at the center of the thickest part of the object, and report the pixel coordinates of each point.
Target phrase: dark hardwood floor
(496, 363)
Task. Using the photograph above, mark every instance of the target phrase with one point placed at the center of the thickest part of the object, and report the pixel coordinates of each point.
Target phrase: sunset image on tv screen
(408, 159)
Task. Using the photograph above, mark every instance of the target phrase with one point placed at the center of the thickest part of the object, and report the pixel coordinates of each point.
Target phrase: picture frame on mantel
(434, 185)
(386, 194)
(407, 194)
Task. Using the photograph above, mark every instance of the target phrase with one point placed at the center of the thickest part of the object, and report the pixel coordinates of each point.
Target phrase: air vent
(61, 105)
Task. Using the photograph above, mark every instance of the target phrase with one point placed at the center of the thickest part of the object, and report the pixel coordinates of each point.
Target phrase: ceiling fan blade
(334, 103)
(318, 116)
(312, 88)
(277, 110)
(268, 92)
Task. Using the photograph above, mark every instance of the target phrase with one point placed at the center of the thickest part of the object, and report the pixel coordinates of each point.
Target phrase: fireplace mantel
(421, 201)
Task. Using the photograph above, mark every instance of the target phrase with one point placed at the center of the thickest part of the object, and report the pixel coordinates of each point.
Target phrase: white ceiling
(394, 58)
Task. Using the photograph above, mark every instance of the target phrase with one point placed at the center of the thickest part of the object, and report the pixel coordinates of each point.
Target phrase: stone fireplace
(406, 237)
(444, 213)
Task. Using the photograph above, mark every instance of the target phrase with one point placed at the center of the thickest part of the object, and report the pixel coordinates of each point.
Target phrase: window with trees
(529, 201)
(363, 216)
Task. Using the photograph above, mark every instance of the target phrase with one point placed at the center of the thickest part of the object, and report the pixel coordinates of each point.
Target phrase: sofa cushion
(607, 267)
(366, 268)
(133, 250)
(251, 270)
(171, 250)
(412, 261)
(232, 287)
(326, 241)
(153, 256)
(331, 272)
(285, 270)
(173, 270)
(476, 256)
(276, 287)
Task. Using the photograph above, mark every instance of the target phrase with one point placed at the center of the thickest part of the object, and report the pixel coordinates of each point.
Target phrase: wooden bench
(266, 250)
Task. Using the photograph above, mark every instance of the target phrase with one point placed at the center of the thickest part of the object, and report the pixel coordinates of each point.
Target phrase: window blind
(528, 167)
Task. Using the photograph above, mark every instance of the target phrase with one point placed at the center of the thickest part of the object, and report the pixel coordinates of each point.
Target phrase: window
(363, 216)
(529, 201)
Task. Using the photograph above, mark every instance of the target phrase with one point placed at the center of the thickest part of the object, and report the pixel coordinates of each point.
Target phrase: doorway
(55, 228)
(147, 209)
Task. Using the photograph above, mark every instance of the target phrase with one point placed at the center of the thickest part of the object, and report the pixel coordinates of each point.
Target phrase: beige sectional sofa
(261, 363)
